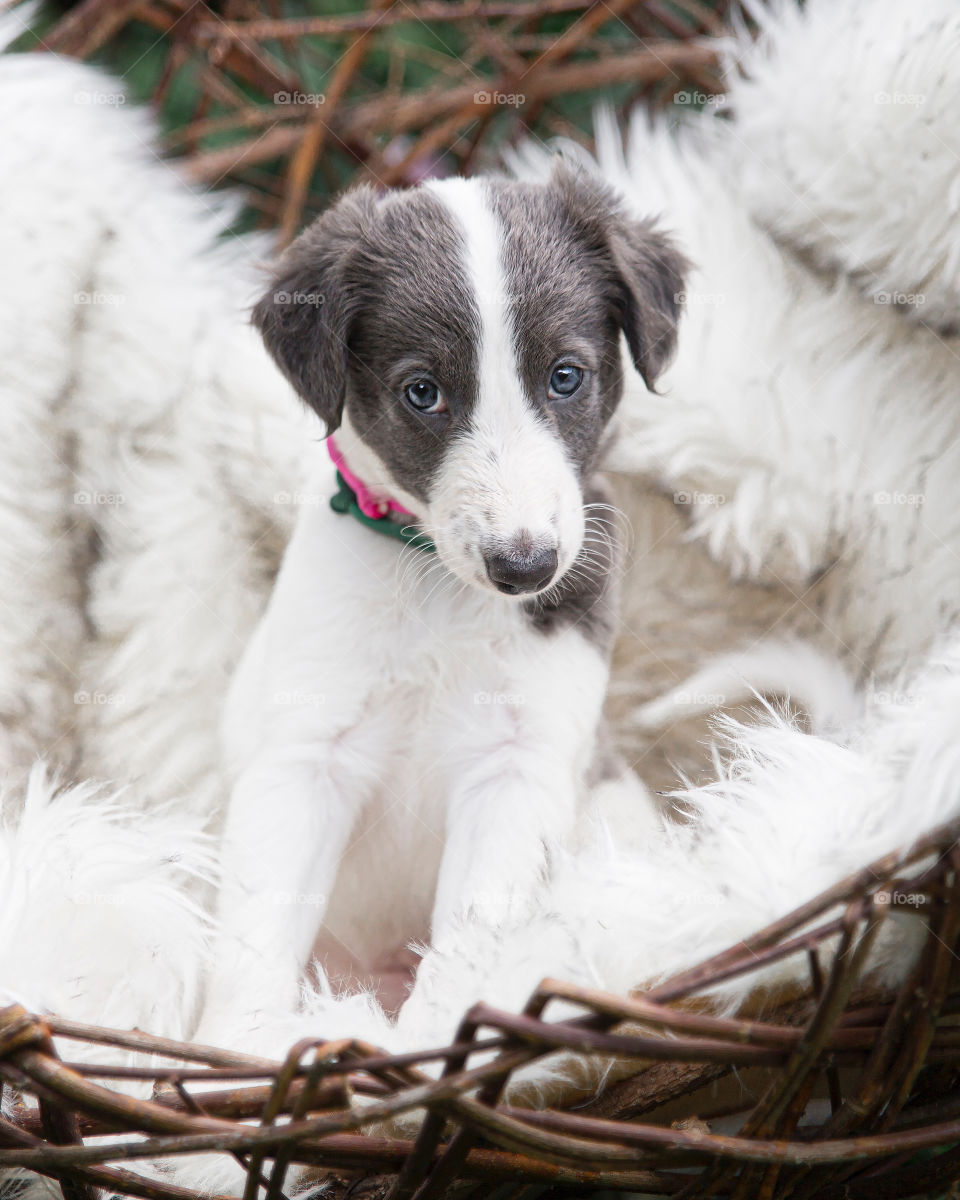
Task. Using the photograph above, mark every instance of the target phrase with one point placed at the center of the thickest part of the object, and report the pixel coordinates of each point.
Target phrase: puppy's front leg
(515, 790)
(502, 823)
(303, 770)
(288, 824)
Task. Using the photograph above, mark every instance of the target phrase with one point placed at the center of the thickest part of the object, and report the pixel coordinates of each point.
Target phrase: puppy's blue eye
(564, 381)
(425, 396)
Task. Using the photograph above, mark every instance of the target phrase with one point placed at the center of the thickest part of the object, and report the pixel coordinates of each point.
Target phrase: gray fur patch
(371, 295)
(415, 316)
(579, 272)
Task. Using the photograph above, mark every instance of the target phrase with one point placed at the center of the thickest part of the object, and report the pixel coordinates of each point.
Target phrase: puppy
(412, 733)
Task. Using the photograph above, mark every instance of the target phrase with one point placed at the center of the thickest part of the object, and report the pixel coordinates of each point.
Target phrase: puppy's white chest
(382, 654)
(453, 674)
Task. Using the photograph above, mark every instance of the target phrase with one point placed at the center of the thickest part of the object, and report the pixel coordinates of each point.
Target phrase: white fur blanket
(792, 492)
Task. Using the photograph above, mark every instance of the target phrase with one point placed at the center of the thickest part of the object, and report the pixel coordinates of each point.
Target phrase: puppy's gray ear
(654, 275)
(305, 316)
(649, 271)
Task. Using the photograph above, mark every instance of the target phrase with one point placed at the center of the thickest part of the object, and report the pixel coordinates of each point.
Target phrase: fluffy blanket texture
(791, 494)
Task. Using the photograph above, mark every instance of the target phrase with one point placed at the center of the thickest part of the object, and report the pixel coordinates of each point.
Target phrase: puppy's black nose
(516, 572)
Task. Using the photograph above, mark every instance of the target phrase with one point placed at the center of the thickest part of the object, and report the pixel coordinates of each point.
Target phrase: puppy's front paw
(321, 1015)
(253, 1033)
(501, 965)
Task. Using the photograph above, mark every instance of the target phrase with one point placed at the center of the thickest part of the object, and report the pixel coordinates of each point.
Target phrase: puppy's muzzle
(520, 570)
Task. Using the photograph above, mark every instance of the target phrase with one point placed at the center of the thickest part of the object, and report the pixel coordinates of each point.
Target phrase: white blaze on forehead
(513, 465)
(482, 232)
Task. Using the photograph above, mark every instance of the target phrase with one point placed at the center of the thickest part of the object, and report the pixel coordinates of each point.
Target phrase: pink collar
(367, 502)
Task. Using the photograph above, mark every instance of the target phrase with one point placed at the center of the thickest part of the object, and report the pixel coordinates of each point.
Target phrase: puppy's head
(466, 335)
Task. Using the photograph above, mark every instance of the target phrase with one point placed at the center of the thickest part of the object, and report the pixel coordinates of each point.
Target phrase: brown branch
(437, 11)
(867, 881)
(398, 114)
(251, 63)
(305, 157)
(89, 25)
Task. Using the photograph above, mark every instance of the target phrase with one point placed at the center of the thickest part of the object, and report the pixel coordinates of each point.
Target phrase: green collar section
(344, 500)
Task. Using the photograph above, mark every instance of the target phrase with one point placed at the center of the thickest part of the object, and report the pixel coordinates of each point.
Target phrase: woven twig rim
(305, 1110)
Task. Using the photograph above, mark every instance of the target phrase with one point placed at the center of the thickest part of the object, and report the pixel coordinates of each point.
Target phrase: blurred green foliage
(167, 71)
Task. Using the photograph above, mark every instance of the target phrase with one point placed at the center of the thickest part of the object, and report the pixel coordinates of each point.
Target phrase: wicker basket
(842, 1091)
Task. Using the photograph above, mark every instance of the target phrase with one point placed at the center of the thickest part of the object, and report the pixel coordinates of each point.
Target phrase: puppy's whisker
(619, 521)
(412, 569)
(599, 525)
(443, 577)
